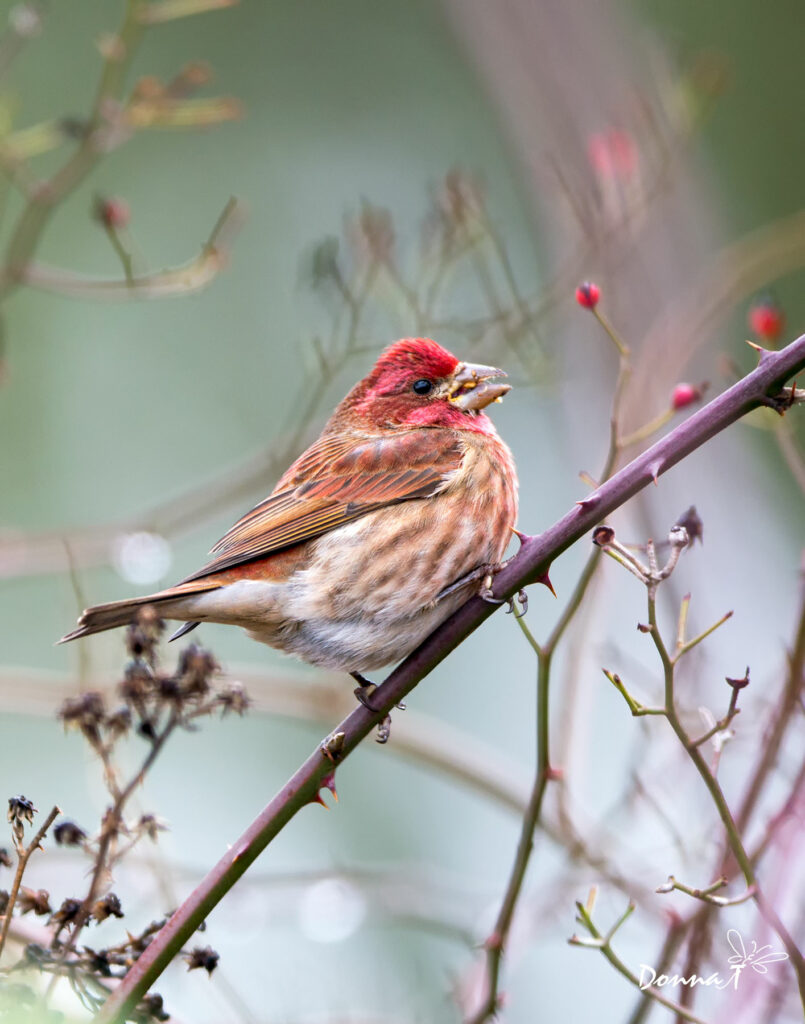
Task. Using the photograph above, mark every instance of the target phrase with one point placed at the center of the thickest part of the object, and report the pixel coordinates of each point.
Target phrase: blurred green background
(108, 410)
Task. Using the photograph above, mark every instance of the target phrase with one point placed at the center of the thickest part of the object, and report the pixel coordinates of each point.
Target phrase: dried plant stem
(535, 555)
(23, 856)
(111, 824)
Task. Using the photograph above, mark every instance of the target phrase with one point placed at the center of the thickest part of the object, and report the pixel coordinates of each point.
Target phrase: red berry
(684, 394)
(588, 294)
(613, 154)
(766, 319)
(113, 213)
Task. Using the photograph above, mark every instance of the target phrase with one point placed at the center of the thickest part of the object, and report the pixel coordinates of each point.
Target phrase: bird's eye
(423, 387)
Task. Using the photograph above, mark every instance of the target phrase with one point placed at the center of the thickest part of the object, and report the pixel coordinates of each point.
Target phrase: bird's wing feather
(334, 482)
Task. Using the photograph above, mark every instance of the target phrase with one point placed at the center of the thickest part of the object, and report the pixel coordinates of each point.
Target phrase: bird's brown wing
(334, 482)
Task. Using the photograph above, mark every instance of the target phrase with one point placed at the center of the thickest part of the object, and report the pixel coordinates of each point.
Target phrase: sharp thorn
(762, 353)
(328, 782)
(546, 581)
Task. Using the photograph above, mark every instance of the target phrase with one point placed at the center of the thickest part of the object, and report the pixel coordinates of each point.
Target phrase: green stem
(34, 218)
(604, 944)
(734, 840)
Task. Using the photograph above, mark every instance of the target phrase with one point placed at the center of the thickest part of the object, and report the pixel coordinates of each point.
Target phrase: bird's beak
(471, 387)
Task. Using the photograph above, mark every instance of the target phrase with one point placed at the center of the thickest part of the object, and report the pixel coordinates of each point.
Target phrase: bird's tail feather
(121, 613)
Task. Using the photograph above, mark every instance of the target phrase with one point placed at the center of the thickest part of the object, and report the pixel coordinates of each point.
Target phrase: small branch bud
(739, 684)
(112, 212)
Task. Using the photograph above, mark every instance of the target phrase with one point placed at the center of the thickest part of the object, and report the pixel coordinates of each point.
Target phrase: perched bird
(375, 535)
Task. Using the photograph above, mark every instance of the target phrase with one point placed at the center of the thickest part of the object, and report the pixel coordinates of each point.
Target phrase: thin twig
(604, 944)
(22, 862)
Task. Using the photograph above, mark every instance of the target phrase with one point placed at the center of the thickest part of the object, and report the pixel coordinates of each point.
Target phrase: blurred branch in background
(114, 119)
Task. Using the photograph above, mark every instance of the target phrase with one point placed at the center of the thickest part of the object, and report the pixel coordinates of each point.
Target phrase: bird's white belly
(342, 612)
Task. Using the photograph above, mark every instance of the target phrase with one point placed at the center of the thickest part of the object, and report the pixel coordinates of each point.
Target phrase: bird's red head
(417, 383)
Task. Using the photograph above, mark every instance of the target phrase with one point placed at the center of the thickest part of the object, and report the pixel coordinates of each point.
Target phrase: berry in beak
(472, 389)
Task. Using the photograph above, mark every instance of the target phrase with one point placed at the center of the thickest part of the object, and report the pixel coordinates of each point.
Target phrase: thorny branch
(757, 388)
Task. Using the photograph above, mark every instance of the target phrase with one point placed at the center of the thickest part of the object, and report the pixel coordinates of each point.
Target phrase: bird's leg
(463, 581)
(486, 573)
(522, 597)
(486, 593)
(383, 730)
(363, 691)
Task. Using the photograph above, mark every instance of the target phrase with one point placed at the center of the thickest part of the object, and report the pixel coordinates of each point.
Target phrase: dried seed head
(149, 825)
(85, 712)
(196, 667)
(108, 906)
(143, 634)
(98, 962)
(4, 897)
(118, 722)
(36, 901)
(67, 913)
(5, 858)
(603, 536)
(20, 809)
(67, 833)
(205, 957)
(168, 689)
(233, 697)
(138, 684)
(692, 524)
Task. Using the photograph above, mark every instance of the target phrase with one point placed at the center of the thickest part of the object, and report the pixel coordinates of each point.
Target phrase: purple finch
(375, 535)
